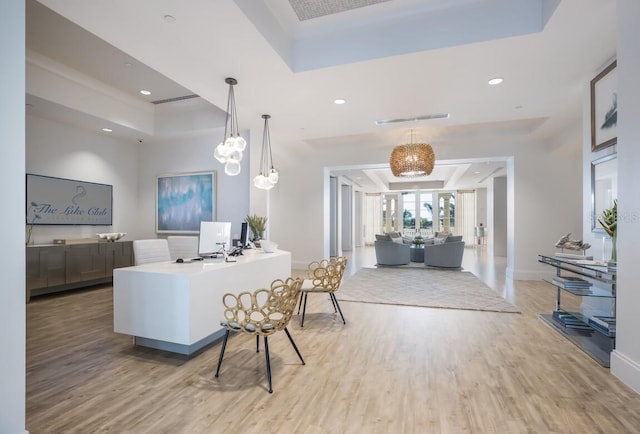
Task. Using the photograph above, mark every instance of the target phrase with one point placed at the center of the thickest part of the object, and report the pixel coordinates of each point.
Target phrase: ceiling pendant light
(413, 159)
(229, 151)
(268, 176)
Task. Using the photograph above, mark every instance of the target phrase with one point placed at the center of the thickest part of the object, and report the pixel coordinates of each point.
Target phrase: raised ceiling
(392, 59)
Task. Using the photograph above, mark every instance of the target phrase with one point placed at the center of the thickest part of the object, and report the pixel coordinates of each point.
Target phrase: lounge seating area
(441, 251)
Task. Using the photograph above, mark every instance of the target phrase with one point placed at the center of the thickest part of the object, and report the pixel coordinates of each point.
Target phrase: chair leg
(335, 309)
(295, 347)
(266, 351)
(224, 345)
(335, 300)
(304, 309)
(300, 301)
(257, 343)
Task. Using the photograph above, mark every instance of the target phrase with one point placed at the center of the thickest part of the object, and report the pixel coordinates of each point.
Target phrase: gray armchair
(392, 253)
(445, 255)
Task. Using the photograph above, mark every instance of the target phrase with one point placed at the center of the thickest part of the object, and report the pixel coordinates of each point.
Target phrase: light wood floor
(391, 369)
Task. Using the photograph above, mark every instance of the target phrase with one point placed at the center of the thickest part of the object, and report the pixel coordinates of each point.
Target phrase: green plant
(256, 223)
(609, 222)
(418, 240)
(34, 216)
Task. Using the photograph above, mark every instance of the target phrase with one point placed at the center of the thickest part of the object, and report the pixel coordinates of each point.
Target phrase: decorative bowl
(111, 236)
(268, 246)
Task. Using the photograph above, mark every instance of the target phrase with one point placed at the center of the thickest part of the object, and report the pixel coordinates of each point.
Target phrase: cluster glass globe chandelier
(268, 176)
(229, 151)
(413, 159)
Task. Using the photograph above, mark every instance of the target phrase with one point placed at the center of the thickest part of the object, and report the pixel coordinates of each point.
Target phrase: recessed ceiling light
(145, 92)
(496, 80)
(339, 101)
(170, 19)
(107, 130)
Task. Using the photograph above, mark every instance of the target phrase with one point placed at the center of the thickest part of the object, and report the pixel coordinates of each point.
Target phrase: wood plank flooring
(391, 369)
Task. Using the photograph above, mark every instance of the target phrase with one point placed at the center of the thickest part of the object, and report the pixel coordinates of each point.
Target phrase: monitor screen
(244, 235)
(214, 237)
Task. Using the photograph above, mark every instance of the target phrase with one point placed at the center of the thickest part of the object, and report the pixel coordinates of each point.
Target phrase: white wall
(481, 207)
(546, 185)
(55, 149)
(625, 359)
(12, 294)
(500, 217)
(192, 155)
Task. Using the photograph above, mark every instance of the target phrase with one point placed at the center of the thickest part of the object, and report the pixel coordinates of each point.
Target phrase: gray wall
(12, 295)
(625, 359)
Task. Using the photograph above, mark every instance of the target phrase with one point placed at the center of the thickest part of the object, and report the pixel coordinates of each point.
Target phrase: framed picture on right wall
(604, 108)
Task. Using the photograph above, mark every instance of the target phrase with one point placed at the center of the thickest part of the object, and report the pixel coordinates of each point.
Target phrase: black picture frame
(604, 108)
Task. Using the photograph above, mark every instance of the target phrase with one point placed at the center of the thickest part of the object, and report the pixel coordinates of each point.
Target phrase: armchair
(392, 253)
(445, 255)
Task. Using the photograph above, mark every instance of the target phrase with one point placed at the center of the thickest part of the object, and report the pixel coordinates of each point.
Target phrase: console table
(59, 267)
(178, 307)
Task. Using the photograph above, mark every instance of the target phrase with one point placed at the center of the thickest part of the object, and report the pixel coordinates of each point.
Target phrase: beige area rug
(447, 289)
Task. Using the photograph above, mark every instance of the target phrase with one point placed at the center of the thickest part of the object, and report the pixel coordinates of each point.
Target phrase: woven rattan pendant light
(413, 159)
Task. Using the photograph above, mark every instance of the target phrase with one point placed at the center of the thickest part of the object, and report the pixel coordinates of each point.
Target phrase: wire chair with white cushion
(323, 277)
(262, 313)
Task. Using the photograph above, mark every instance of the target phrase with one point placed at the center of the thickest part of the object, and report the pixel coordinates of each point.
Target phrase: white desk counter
(178, 307)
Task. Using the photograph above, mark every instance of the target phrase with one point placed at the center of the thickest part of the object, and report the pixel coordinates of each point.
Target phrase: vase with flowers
(609, 222)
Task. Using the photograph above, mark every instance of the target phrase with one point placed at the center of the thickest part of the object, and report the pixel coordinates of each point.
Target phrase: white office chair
(182, 247)
(146, 251)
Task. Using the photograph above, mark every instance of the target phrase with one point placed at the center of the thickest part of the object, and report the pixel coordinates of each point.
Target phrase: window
(409, 211)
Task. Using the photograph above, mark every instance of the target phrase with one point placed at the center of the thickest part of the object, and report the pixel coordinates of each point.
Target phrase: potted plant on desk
(257, 224)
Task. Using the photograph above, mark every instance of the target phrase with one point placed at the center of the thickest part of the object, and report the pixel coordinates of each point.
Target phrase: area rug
(447, 289)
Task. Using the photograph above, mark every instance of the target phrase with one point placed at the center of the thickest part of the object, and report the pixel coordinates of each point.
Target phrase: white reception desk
(178, 307)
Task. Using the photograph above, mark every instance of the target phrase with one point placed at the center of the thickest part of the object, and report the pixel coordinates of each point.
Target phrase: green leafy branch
(256, 223)
(609, 219)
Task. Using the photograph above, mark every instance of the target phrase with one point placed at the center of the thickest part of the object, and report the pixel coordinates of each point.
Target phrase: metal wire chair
(261, 313)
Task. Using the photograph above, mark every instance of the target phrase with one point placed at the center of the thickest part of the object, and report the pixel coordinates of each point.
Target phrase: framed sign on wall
(184, 200)
(60, 201)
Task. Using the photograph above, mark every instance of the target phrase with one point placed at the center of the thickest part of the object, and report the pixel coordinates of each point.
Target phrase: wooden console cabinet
(53, 268)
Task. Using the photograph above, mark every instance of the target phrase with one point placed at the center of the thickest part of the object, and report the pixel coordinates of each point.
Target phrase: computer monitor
(214, 237)
(244, 235)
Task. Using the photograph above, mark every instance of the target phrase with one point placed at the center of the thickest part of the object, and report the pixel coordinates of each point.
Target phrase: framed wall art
(604, 109)
(61, 201)
(184, 200)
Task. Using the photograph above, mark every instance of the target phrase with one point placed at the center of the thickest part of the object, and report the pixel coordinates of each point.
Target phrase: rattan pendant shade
(414, 159)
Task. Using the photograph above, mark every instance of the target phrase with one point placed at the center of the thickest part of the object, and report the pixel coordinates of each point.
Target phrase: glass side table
(416, 253)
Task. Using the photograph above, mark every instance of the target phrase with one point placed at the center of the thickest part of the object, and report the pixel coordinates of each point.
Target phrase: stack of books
(605, 324)
(569, 321)
(573, 283)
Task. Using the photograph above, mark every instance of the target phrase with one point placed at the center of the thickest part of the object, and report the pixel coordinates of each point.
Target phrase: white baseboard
(626, 369)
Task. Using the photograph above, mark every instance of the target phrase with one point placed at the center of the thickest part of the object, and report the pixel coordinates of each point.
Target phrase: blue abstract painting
(184, 200)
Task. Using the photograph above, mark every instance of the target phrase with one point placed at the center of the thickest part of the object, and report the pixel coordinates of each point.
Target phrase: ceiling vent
(415, 118)
(178, 98)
